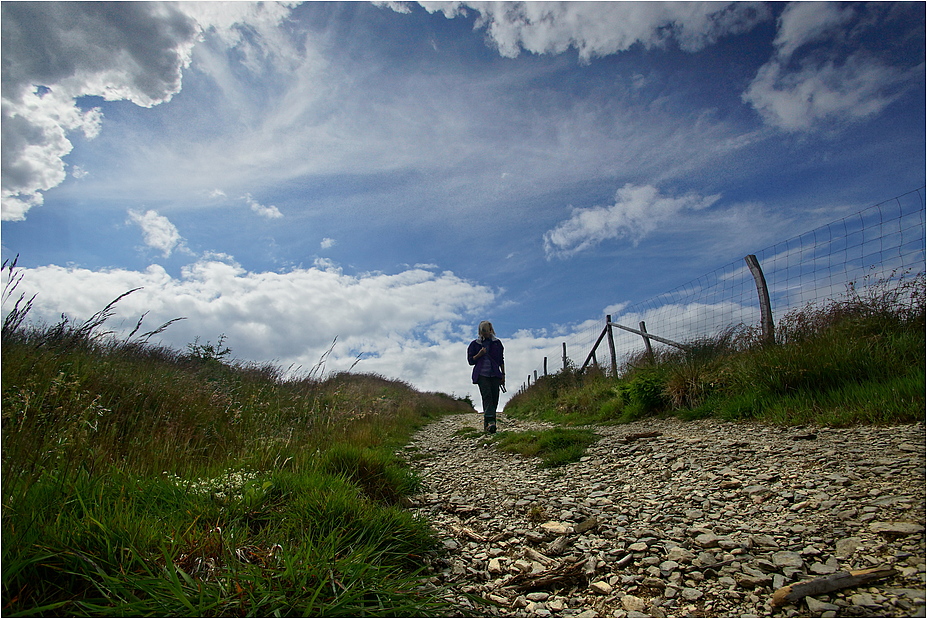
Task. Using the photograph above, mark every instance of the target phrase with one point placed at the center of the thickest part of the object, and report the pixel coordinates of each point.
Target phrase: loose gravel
(698, 519)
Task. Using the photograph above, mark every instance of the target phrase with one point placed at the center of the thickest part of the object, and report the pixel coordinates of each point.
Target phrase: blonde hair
(487, 326)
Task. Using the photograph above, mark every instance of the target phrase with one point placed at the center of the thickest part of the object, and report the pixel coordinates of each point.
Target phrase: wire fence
(881, 242)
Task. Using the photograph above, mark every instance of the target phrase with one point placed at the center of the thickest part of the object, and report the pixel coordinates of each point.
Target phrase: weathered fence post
(535, 376)
(545, 366)
(763, 292)
(564, 356)
(647, 342)
(611, 345)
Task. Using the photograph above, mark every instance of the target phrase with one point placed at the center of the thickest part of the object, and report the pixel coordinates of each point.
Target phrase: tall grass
(141, 480)
(858, 358)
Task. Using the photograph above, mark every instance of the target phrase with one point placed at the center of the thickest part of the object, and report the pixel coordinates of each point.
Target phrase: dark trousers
(489, 391)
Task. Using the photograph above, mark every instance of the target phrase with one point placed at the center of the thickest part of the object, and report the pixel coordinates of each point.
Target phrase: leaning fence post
(763, 292)
(647, 342)
(611, 345)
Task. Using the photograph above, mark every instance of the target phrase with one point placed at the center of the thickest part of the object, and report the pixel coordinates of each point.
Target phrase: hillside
(141, 480)
(859, 358)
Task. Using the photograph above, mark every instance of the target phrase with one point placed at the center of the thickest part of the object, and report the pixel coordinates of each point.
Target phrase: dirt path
(706, 519)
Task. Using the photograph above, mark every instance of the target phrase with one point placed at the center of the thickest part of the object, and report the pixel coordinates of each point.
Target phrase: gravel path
(705, 519)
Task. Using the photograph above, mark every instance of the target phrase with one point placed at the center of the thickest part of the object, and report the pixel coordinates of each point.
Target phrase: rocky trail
(688, 519)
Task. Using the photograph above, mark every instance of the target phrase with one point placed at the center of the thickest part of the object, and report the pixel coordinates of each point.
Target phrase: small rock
(586, 525)
(556, 528)
(632, 602)
(896, 528)
(691, 594)
(862, 599)
(829, 567)
(784, 558)
(601, 587)
(764, 541)
(538, 596)
(817, 606)
(707, 540)
(679, 555)
(847, 546)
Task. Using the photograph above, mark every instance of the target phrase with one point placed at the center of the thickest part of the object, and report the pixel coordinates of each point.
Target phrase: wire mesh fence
(883, 242)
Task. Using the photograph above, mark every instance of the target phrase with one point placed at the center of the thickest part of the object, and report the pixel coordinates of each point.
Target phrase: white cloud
(802, 23)
(413, 325)
(603, 28)
(55, 52)
(157, 231)
(637, 211)
(805, 85)
(327, 242)
(270, 212)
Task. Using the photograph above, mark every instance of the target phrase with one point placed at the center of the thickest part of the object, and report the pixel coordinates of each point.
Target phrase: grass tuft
(555, 446)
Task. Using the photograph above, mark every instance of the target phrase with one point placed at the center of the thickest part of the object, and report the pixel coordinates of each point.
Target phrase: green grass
(858, 359)
(139, 480)
(555, 446)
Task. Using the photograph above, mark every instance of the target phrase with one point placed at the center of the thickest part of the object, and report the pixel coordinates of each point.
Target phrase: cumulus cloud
(53, 53)
(327, 242)
(270, 212)
(157, 231)
(602, 28)
(412, 325)
(810, 80)
(638, 210)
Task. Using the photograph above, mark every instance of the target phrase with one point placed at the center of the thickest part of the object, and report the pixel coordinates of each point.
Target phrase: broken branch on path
(561, 576)
(832, 582)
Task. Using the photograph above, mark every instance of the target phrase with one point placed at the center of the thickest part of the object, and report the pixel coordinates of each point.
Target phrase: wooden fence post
(564, 356)
(762, 291)
(647, 342)
(545, 366)
(611, 345)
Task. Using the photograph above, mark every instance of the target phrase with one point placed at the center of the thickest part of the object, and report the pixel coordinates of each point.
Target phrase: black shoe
(492, 429)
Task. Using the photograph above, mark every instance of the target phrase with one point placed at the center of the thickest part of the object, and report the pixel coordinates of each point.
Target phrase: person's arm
(502, 361)
(474, 352)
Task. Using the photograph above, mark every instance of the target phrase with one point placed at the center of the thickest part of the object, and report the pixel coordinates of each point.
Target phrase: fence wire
(881, 242)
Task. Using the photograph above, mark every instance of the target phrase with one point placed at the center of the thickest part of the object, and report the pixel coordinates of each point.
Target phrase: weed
(555, 446)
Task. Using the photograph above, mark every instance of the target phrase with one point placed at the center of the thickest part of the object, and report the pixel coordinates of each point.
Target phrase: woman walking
(486, 355)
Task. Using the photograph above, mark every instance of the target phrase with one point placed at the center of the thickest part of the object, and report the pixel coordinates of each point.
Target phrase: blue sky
(390, 174)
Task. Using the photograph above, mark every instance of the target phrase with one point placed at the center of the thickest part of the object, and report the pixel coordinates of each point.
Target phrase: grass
(554, 446)
(140, 480)
(858, 359)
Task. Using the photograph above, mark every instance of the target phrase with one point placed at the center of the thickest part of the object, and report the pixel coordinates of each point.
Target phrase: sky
(386, 175)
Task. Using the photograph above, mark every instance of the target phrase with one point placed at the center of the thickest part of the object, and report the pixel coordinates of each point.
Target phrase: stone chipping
(693, 519)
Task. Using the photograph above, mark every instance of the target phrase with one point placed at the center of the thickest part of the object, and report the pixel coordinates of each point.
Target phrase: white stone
(601, 587)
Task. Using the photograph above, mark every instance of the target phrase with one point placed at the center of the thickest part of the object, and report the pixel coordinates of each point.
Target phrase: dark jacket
(495, 356)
